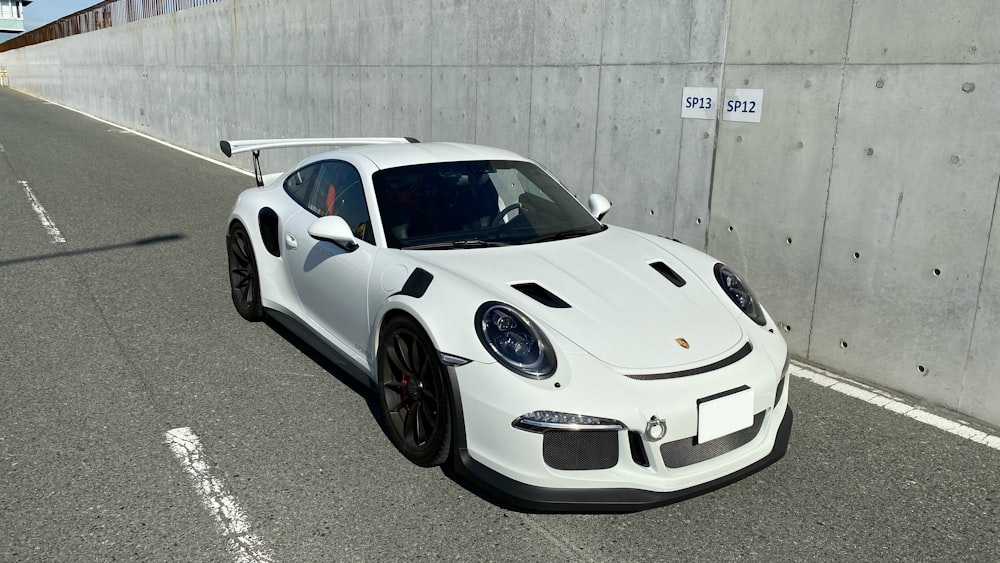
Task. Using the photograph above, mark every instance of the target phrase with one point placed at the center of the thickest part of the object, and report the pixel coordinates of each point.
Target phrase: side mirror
(598, 205)
(334, 229)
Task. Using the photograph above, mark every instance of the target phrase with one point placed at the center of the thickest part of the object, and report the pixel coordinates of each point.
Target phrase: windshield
(476, 203)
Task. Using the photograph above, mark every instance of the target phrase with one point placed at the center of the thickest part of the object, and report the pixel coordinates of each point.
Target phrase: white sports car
(558, 362)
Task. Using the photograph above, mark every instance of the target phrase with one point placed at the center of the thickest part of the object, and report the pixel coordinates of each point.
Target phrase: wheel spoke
(396, 403)
(428, 394)
(410, 426)
(402, 350)
(251, 291)
(242, 252)
(416, 360)
(427, 416)
(397, 366)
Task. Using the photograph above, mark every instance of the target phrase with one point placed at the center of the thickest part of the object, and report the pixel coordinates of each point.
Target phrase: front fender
(446, 311)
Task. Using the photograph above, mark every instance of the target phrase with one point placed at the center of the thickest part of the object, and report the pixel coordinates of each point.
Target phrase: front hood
(621, 310)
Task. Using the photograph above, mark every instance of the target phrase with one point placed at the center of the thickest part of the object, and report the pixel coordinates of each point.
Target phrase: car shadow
(159, 239)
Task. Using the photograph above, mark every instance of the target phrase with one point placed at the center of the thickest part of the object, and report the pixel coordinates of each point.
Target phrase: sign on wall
(743, 104)
(699, 102)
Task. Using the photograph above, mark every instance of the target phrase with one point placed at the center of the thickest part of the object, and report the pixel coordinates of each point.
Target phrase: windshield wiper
(572, 233)
(468, 243)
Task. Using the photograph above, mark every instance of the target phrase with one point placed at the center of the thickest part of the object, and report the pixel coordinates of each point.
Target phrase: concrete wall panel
(982, 379)
(346, 100)
(296, 36)
(376, 100)
(396, 102)
(503, 107)
(770, 187)
(567, 32)
(453, 104)
(455, 32)
(925, 31)
(694, 165)
(332, 34)
(297, 100)
(637, 149)
(658, 32)
(788, 31)
(395, 32)
(562, 130)
(270, 30)
(912, 193)
(506, 38)
(319, 108)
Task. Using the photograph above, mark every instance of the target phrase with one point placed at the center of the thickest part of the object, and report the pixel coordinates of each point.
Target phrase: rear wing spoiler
(229, 148)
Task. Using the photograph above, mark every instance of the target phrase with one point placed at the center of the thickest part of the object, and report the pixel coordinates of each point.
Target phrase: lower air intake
(684, 452)
(580, 449)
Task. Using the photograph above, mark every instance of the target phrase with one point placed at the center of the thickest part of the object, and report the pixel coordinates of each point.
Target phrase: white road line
(233, 522)
(43, 216)
(894, 404)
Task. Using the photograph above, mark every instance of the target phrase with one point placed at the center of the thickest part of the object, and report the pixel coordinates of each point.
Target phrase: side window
(301, 185)
(339, 192)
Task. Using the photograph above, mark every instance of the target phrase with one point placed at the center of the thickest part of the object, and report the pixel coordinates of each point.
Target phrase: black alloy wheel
(413, 393)
(243, 277)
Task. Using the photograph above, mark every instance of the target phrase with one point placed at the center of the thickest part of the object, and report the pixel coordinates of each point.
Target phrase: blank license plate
(725, 415)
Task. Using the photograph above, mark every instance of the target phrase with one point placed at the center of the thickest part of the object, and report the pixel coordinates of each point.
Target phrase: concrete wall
(861, 207)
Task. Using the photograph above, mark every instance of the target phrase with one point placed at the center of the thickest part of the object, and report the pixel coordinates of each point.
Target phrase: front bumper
(523, 495)
(623, 470)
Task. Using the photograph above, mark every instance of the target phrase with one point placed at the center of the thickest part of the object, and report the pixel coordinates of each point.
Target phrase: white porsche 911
(558, 362)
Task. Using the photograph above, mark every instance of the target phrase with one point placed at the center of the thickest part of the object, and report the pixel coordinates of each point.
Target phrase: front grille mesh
(580, 449)
(684, 452)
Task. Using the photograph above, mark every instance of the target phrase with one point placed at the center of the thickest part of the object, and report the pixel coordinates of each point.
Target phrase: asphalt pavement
(126, 331)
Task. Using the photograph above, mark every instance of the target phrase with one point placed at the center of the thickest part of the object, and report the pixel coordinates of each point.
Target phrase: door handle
(290, 241)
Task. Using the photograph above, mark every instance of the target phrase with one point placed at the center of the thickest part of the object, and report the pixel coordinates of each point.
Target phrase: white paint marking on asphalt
(894, 404)
(233, 522)
(43, 216)
(144, 136)
(2, 149)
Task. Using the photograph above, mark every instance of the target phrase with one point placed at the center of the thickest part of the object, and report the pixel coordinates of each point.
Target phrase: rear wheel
(243, 277)
(413, 393)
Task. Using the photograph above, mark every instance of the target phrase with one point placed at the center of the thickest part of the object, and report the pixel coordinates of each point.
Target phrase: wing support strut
(257, 172)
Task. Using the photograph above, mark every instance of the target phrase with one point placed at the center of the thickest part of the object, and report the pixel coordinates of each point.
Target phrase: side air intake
(540, 294)
(669, 273)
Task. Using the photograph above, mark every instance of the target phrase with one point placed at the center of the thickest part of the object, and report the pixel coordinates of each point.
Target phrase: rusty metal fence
(99, 16)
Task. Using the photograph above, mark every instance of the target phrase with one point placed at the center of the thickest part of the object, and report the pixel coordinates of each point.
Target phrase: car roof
(405, 154)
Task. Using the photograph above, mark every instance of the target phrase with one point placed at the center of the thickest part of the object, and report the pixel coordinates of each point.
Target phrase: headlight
(740, 293)
(514, 341)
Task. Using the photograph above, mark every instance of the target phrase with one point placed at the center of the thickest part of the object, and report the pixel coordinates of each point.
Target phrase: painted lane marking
(2, 149)
(894, 404)
(233, 523)
(43, 216)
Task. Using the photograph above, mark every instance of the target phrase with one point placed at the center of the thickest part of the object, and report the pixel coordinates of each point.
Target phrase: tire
(413, 393)
(244, 280)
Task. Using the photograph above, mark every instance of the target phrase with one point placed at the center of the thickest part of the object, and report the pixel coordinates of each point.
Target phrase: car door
(331, 281)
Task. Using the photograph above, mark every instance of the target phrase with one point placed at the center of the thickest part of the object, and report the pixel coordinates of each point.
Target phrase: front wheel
(413, 393)
(243, 277)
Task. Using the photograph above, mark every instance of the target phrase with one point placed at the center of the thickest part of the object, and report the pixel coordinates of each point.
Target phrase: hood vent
(668, 273)
(540, 294)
